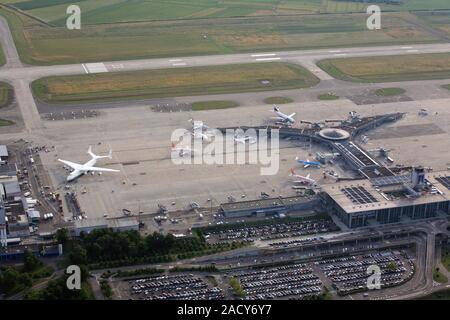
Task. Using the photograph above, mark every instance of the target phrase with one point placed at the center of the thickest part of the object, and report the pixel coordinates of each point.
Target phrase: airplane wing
(98, 169)
(291, 115)
(308, 176)
(73, 165)
(306, 165)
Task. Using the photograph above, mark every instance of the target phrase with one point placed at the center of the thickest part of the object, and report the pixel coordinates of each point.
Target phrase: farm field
(41, 44)
(173, 82)
(389, 68)
(438, 20)
(110, 11)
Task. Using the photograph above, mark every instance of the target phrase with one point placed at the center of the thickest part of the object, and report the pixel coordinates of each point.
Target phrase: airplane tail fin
(296, 158)
(292, 172)
(276, 108)
(93, 155)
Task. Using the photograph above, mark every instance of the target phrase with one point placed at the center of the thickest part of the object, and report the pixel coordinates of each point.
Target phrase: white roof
(3, 151)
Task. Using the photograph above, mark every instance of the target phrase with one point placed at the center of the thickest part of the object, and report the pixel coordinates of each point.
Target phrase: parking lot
(271, 231)
(174, 287)
(349, 274)
(289, 281)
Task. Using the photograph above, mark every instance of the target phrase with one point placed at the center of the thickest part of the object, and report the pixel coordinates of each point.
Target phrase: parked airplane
(245, 139)
(307, 163)
(301, 179)
(81, 169)
(283, 117)
(198, 125)
(182, 151)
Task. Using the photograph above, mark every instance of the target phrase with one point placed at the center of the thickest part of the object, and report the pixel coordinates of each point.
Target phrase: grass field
(213, 104)
(446, 86)
(389, 68)
(40, 44)
(445, 257)
(389, 92)
(277, 100)
(4, 123)
(4, 94)
(439, 277)
(108, 11)
(173, 82)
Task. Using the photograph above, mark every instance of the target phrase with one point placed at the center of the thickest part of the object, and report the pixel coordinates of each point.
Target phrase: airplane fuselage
(77, 173)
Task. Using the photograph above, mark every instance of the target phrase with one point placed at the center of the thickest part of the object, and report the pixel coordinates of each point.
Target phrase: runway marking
(340, 54)
(413, 51)
(96, 67)
(117, 66)
(268, 59)
(407, 47)
(334, 51)
(175, 60)
(84, 67)
(179, 64)
(264, 55)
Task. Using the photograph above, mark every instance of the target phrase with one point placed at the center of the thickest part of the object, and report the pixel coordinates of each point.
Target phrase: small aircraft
(81, 169)
(182, 151)
(301, 179)
(245, 139)
(283, 117)
(198, 125)
(306, 163)
(201, 135)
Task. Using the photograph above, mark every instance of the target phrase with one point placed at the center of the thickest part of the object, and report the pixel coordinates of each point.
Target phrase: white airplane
(245, 139)
(81, 169)
(301, 179)
(283, 117)
(198, 125)
(201, 135)
(182, 151)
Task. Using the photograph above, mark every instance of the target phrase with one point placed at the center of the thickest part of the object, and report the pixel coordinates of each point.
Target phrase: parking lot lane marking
(264, 55)
(268, 59)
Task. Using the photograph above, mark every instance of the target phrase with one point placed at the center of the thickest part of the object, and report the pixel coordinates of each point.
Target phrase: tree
(62, 236)
(30, 262)
(77, 255)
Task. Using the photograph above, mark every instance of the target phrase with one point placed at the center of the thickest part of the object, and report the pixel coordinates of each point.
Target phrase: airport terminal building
(389, 199)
